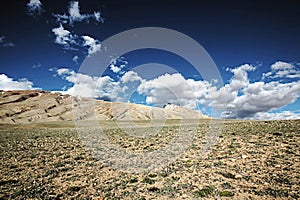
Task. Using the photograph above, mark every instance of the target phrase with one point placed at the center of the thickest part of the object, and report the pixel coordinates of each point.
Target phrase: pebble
(237, 176)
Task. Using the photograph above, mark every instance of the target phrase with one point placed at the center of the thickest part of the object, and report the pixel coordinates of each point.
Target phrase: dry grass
(252, 160)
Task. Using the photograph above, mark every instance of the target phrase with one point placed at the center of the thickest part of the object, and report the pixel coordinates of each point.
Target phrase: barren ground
(252, 160)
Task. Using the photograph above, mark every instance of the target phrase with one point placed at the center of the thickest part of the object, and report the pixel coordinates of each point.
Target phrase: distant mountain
(25, 106)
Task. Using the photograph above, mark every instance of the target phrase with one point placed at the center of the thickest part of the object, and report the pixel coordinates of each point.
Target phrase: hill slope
(25, 106)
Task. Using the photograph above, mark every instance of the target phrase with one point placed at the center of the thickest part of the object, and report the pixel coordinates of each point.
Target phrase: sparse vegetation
(205, 192)
(133, 180)
(148, 180)
(226, 193)
(252, 160)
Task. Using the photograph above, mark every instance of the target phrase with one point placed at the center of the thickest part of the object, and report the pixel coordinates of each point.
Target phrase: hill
(25, 106)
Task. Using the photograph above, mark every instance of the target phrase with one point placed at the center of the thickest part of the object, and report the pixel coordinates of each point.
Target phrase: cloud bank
(287, 115)
(7, 83)
(240, 98)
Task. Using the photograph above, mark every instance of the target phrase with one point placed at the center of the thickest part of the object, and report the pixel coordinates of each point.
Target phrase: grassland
(251, 160)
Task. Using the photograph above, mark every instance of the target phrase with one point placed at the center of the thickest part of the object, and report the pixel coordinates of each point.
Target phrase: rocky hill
(25, 106)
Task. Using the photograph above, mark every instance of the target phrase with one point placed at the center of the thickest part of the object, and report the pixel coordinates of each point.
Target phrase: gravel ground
(251, 160)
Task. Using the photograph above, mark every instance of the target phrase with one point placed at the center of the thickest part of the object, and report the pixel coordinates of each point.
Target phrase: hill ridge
(26, 106)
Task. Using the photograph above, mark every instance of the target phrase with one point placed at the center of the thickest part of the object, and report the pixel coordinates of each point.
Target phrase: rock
(238, 176)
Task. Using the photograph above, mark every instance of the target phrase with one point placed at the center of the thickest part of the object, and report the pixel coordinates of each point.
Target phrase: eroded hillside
(25, 106)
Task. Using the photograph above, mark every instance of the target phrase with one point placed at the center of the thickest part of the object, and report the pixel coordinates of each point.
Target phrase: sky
(247, 65)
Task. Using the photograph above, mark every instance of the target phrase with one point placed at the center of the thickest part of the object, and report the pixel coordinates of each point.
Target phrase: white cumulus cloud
(282, 69)
(242, 99)
(63, 71)
(280, 65)
(130, 76)
(173, 88)
(115, 68)
(228, 93)
(92, 44)
(262, 97)
(34, 7)
(71, 41)
(74, 15)
(91, 86)
(238, 99)
(285, 115)
(98, 17)
(117, 64)
(74, 11)
(64, 37)
(7, 83)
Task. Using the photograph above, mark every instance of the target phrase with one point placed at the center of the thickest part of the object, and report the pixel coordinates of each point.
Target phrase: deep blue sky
(233, 33)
